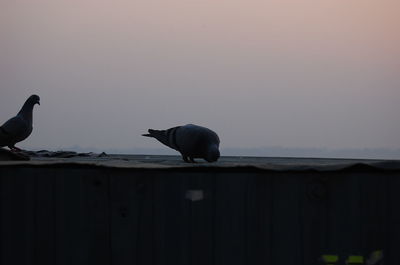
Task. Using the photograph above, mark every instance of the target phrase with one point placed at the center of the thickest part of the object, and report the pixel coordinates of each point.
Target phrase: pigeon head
(212, 153)
(34, 99)
(27, 108)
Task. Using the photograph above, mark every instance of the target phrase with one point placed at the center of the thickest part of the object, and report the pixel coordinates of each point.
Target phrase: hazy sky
(291, 73)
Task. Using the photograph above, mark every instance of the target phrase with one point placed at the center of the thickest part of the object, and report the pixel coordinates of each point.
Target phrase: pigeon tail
(166, 137)
(159, 135)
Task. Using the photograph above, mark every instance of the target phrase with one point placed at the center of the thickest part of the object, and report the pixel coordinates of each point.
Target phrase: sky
(287, 73)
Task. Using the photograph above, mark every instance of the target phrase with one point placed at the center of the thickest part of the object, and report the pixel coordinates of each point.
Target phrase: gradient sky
(291, 73)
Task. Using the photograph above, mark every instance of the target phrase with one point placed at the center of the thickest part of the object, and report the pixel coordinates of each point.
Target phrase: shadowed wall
(81, 214)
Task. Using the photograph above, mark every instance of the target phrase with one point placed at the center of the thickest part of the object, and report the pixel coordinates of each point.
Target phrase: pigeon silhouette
(192, 141)
(19, 127)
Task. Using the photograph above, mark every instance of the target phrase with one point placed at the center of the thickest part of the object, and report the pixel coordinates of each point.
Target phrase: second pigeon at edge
(18, 128)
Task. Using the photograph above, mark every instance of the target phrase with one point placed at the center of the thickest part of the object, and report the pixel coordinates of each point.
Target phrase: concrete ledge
(159, 210)
(224, 164)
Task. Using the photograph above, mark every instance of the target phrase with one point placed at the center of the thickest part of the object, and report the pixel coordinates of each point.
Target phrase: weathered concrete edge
(387, 166)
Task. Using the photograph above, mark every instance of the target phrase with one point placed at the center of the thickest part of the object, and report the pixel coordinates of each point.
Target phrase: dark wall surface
(88, 215)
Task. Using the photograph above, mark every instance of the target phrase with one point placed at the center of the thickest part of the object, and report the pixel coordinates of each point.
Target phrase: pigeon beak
(38, 103)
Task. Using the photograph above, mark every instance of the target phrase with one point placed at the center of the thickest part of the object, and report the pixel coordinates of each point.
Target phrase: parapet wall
(158, 210)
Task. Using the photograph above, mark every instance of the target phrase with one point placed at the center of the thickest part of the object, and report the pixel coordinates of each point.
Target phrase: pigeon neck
(27, 110)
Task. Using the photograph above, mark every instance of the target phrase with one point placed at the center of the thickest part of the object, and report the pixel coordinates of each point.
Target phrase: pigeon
(19, 127)
(192, 141)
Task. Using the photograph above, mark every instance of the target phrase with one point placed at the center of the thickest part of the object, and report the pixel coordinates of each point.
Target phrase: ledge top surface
(224, 163)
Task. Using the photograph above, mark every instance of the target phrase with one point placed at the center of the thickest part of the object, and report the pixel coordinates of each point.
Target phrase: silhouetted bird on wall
(192, 141)
(19, 127)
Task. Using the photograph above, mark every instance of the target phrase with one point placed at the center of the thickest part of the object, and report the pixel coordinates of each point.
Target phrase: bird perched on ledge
(19, 127)
(192, 141)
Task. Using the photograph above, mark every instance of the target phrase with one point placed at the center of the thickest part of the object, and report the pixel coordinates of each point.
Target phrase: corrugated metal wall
(52, 215)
